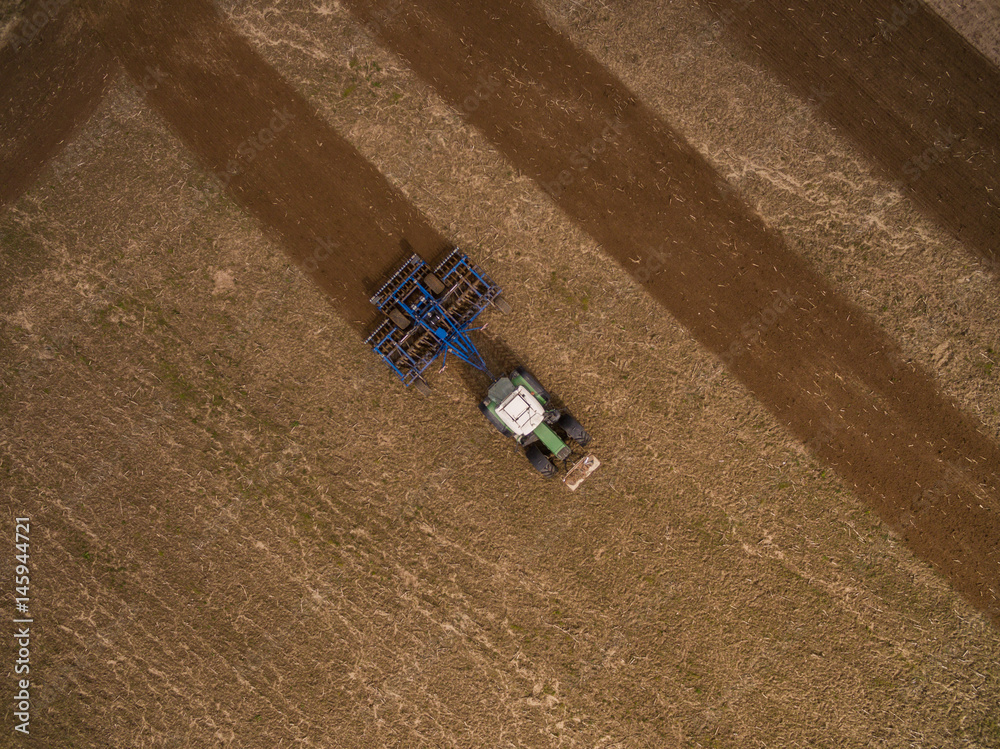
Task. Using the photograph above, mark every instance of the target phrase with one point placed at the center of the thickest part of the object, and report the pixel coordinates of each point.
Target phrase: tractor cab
(517, 408)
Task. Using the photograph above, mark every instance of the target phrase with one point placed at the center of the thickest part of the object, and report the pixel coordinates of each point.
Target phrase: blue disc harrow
(430, 313)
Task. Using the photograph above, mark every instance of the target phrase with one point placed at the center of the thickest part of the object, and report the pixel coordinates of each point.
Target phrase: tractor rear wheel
(533, 384)
(399, 318)
(540, 462)
(495, 420)
(433, 283)
(574, 429)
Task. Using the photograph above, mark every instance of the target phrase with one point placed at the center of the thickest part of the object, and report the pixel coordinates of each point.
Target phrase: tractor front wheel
(495, 420)
(541, 393)
(539, 461)
(574, 430)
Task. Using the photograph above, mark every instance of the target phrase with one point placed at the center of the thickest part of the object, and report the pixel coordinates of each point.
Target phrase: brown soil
(54, 72)
(920, 101)
(248, 534)
(331, 209)
(822, 367)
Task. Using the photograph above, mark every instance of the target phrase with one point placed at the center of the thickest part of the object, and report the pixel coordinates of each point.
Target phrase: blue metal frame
(440, 324)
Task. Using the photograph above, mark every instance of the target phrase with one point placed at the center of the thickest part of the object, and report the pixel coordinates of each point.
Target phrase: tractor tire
(538, 460)
(533, 384)
(574, 430)
(399, 318)
(422, 387)
(495, 420)
(433, 284)
(501, 304)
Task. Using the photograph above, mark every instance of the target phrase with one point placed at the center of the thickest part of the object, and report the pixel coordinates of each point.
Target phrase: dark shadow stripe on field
(816, 361)
(911, 93)
(53, 74)
(329, 208)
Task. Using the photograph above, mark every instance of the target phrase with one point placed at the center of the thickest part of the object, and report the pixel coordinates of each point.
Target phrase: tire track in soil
(53, 74)
(330, 209)
(912, 94)
(823, 367)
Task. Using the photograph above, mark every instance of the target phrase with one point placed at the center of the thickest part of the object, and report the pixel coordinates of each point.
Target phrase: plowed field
(246, 533)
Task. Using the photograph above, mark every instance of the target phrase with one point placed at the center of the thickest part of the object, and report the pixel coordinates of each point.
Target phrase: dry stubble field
(248, 535)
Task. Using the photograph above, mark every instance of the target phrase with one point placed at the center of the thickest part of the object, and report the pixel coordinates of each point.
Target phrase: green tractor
(430, 314)
(520, 408)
